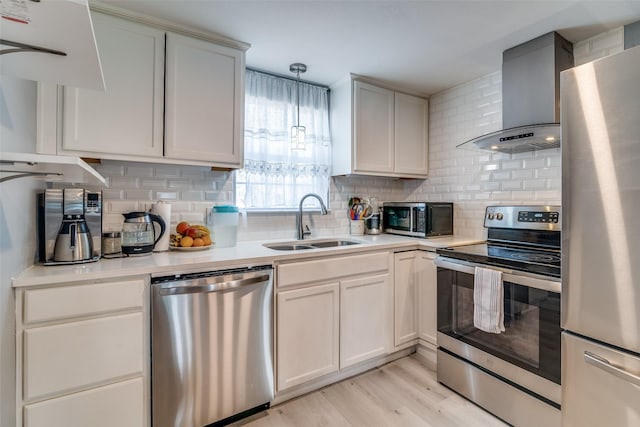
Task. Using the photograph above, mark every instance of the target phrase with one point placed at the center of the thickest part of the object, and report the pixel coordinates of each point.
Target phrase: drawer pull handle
(605, 365)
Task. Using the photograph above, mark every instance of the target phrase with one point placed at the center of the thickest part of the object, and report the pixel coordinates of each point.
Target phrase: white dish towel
(488, 296)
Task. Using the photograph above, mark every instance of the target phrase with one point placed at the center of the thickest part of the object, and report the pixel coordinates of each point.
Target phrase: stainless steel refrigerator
(600, 117)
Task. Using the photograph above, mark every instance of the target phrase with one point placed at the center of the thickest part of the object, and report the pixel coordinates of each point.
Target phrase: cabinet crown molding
(167, 25)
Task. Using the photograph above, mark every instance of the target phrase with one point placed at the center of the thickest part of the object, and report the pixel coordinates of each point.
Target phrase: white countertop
(243, 254)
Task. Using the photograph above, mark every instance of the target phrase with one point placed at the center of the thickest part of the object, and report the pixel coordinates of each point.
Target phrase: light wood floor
(402, 393)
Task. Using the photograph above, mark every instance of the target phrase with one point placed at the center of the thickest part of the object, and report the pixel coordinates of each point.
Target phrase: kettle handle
(163, 226)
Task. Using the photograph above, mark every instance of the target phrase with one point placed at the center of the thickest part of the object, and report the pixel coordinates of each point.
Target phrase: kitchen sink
(332, 243)
(311, 244)
(288, 247)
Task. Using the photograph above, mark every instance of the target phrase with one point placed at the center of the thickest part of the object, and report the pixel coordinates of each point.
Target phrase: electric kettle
(138, 233)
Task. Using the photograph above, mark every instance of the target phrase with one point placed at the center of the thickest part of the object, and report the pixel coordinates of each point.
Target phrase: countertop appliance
(601, 242)
(69, 225)
(212, 346)
(418, 219)
(138, 233)
(514, 374)
(530, 96)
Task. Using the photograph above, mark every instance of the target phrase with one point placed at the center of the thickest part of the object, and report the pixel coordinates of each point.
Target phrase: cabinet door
(373, 115)
(127, 118)
(405, 298)
(427, 297)
(307, 334)
(204, 101)
(121, 404)
(364, 321)
(71, 356)
(411, 135)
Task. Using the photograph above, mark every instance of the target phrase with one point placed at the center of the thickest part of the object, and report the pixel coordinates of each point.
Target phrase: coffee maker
(69, 226)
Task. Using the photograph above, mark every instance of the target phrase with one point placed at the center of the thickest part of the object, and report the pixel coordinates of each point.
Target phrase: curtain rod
(287, 77)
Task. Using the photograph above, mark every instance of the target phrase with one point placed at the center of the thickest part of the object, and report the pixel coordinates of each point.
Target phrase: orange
(198, 242)
(206, 239)
(186, 242)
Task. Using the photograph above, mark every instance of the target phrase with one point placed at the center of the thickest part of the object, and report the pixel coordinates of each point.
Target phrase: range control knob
(490, 216)
(499, 216)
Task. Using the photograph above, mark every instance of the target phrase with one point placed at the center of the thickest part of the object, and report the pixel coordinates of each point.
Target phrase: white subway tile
(153, 183)
(138, 194)
(522, 174)
(166, 195)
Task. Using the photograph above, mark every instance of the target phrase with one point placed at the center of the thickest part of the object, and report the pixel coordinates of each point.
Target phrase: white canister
(356, 227)
(163, 210)
(225, 226)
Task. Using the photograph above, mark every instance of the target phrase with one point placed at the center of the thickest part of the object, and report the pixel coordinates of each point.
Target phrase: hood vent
(530, 96)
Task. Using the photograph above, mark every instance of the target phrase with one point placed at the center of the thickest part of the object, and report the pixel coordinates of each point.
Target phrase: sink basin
(332, 243)
(288, 247)
(310, 244)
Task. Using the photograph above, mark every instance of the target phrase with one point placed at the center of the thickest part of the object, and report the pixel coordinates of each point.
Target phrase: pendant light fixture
(298, 132)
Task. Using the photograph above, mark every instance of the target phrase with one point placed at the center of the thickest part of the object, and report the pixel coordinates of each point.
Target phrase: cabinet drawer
(70, 356)
(331, 268)
(82, 300)
(121, 404)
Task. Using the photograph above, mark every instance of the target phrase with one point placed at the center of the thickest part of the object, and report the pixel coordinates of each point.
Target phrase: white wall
(17, 224)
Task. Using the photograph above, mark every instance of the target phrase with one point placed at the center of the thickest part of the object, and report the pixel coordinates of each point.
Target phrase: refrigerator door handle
(605, 365)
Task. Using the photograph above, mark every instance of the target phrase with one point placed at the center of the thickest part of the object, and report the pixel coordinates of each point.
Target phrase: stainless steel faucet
(299, 226)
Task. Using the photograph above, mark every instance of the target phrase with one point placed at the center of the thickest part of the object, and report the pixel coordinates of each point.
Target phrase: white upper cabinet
(411, 135)
(203, 107)
(373, 115)
(127, 118)
(171, 97)
(62, 26)
(377, 131)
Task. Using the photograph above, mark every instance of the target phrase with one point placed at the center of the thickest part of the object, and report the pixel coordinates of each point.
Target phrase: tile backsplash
(470, 179)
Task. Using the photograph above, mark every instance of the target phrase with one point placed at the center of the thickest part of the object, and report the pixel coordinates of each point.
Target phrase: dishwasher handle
(213, 287)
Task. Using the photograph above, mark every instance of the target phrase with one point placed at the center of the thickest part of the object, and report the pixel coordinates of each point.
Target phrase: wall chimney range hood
(530, 96)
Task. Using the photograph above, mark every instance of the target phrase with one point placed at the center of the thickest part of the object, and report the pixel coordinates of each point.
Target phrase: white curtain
(274, 176)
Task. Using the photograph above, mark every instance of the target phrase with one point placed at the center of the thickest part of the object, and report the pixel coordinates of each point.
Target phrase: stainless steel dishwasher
(211, 346)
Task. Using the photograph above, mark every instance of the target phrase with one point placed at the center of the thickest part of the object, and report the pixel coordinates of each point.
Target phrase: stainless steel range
(515, 374)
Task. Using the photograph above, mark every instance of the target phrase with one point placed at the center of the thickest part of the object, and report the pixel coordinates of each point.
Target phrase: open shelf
(48, 167)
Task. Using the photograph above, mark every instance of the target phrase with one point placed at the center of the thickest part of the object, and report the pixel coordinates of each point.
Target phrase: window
(274, 176)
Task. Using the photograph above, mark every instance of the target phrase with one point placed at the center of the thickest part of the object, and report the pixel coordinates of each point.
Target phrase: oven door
(528, 352)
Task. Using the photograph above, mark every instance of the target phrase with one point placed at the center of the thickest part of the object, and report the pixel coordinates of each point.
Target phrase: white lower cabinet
(415, 286)
(338, 319)
(363, 318)
(69, 356)
(427, 274)
(82, 354)
(405, 301)
(112, 405)
(308, 334)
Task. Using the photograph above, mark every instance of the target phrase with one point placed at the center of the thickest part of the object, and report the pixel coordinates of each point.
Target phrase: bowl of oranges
(190, 237)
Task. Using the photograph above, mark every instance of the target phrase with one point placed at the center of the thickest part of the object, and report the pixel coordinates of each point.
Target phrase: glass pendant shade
(298, 137)
(298, 133)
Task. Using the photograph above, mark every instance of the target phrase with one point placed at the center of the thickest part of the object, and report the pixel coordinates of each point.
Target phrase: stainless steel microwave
(418, 219)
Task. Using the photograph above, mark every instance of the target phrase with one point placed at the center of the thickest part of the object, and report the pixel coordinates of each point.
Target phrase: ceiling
(423, 46)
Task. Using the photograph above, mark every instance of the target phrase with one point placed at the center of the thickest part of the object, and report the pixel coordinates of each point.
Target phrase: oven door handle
(507, 275)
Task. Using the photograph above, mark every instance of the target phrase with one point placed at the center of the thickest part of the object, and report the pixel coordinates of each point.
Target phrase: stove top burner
(524, 258)
(525, 238)
(537, 258)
